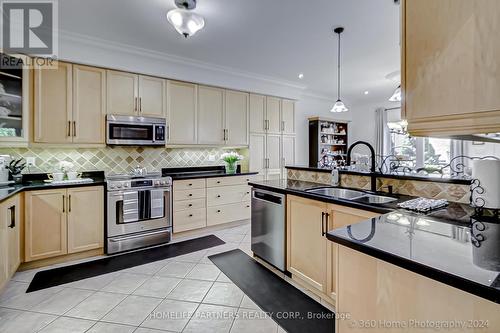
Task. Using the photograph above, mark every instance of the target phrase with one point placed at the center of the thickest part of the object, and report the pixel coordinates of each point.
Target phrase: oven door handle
(136, 236)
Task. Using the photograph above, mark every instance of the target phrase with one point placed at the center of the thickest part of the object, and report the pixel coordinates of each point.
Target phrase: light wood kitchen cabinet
(340, 216)
(10, 238)
(274, 155)
(53, 103)
(152, 96)
(85, 226)
(258, 123)
(210, 124)
(236, 118)
(311, 258)
(182, 108)
(288, 116)
(135, 95)
(273, 115)
(288, 151)
(45, 224)
(189, 205)
(257, 159)
(450, 76)
(59, 221)
(228, 213)
(306, 245)
(70, 103)
(89, 104)
(122, 91)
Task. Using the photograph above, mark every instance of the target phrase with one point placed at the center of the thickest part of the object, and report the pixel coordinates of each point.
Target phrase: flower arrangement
(231, 159)
(65, 166)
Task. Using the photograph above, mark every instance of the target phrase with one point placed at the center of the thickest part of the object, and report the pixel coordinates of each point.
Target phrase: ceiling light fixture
(366, 92)
(301, 76)
(186, 22)
(339, 106)
(396, 96)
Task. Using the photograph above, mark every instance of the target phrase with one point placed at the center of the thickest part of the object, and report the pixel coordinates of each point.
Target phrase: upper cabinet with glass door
(450, 66)
(14, 100)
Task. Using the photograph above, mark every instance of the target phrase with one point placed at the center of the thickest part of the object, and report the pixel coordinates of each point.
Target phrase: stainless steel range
(139, 211)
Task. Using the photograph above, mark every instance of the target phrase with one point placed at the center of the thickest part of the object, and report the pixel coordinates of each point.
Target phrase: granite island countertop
(464, 257)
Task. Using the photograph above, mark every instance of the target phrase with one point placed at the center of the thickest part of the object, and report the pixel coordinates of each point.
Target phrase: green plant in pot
(231, 159)
(15, 168)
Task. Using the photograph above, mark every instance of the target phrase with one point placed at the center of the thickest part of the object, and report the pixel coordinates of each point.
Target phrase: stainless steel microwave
(135, 131)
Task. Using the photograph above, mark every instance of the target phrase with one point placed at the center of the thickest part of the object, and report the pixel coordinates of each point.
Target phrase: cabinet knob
(190, 184)
(190, 194)
(218, 182)
(218, 210)
(248, 206)
(248, 192)
(218, 195)
(190, 215)
(190, 205)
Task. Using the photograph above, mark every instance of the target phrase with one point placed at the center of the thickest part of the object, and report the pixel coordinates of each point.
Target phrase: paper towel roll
(488, 174)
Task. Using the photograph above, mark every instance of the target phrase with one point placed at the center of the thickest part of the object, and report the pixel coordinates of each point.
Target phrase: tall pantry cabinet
(272, 136)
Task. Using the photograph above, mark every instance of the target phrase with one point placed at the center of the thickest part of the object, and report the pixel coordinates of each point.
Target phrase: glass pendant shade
(339, 106)
(185, 22)
(396, 96)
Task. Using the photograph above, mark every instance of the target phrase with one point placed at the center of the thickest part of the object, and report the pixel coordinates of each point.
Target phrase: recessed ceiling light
(366, 92)
(301, 76)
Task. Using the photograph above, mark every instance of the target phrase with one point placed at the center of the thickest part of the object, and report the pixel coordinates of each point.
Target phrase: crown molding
(316, 95)
(138, 51)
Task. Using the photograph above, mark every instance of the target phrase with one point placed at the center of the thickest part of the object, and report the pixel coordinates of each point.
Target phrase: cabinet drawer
(228, 213)
(228, 195)
(189, 219)
(189, 194)
(188, 184)
(228, 181)
(189, 204)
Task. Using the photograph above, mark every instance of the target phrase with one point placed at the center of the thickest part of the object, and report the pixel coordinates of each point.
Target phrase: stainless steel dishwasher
(269, 227)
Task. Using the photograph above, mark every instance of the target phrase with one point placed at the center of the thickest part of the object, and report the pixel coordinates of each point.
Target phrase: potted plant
(231, 160)
(65, 167)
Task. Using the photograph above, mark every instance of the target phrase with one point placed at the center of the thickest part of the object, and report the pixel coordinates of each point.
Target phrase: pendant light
(184, 20)
(339, 106)
(396, 96)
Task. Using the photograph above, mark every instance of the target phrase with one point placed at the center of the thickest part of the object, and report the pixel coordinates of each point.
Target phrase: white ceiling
(275, 38)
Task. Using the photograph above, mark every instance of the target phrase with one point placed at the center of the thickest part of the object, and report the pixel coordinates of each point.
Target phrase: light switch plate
(211, 158)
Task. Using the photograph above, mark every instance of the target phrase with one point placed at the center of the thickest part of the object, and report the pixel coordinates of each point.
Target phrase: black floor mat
(66, 274)
(274, 295)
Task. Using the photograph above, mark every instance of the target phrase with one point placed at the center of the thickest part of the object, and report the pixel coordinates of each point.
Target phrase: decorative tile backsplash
(436, 190)
(118, 159)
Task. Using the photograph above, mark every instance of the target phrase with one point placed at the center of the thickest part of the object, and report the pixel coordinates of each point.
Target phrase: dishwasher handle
(268, 197)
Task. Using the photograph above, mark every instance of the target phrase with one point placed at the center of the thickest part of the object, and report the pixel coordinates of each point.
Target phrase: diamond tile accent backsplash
(119, 159)
(435, 190)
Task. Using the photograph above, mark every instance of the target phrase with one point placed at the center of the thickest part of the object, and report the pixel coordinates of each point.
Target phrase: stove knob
(126, 185)
(112, 186)
(118, 185)
(163, 182)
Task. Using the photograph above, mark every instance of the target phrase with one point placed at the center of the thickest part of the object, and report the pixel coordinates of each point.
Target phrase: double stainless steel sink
(343, 193)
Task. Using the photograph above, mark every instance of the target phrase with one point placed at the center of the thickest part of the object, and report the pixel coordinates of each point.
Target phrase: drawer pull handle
(190, 205)
(190, 194)
(218, 195)
(190, 215)
(248, 206)
(218, 182)
(248, 192)
(190, 184)
(218, 210)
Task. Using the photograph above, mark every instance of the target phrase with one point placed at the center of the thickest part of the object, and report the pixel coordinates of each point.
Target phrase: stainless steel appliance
(139, 211)
(269, 227)
(135, 131)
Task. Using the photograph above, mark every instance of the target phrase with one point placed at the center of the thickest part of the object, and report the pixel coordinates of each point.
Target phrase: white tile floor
(182, 294)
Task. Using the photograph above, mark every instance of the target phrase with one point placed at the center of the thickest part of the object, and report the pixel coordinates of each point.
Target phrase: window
(429, 154)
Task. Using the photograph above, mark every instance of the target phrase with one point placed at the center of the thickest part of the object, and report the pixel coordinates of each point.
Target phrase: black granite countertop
(455, 213)
(33, 182)
(201, 172)
(464, 257)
